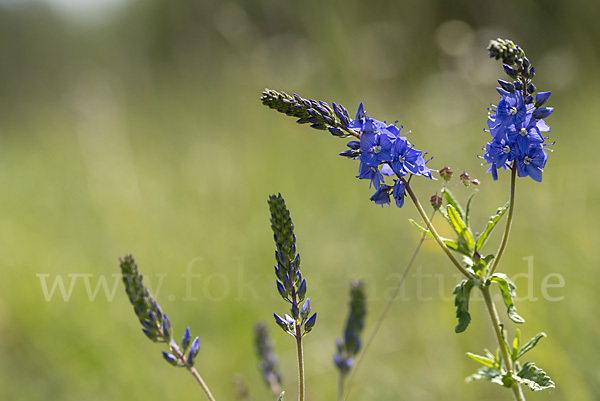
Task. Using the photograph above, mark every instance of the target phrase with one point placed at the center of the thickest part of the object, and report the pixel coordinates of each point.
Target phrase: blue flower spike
(517, 123)
(290, 284)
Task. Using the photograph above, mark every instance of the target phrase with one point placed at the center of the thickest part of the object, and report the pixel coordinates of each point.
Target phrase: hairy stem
(194, 373)
(491, 308)
(433, 232)
(300, 364)
(509, 218)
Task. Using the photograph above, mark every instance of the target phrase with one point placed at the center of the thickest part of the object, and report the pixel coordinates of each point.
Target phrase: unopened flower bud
(446, 173)
(436, 201)
(465, 179)
(475, 181)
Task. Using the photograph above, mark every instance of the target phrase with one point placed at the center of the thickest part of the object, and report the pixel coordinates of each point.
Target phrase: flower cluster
(351, 344)
(516, 123)
(290, 284)
(382, 150)
(155, 324)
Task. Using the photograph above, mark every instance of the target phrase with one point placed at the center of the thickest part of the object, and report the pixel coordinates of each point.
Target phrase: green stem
(300, 363)
(433, 232)
(491, 307)
(511, 208)
(194, 373)
(340, 392)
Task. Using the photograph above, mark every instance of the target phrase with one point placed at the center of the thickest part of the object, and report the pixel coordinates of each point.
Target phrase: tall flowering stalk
(290, 283)
(518, 144)
(348, 347)
(156, 325)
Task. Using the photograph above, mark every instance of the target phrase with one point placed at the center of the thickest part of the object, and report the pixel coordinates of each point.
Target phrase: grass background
(141, 132)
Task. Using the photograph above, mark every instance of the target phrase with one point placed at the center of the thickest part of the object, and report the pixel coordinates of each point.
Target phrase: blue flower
(376, 148)
(405, 158)
(366, 172)
(382, 195)
(532, 163)
(500, 152)
(511, 109)
(527, 133)
(398, 192)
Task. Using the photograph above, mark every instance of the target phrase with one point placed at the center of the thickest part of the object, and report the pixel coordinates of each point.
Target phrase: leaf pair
(530, 375)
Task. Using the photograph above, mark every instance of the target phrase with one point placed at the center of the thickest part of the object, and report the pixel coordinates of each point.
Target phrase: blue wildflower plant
(518, 142)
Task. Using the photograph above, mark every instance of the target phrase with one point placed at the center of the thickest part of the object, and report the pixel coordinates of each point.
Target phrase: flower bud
(465, 179)
(436, 201)
(446, 173)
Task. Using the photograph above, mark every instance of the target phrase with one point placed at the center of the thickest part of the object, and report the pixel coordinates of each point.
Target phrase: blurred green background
(135, 127)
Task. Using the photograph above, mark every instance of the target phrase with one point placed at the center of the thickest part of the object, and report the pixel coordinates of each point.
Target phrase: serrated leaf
(488, 374)
(468, 210)
(281, 396)
(458, 225)
(490, 227)
(535, 378)
(482, 360)
(451, 200)
(530, 345)
(461, 300)
(507, 288)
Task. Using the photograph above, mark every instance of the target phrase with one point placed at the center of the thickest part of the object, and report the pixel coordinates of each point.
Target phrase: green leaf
(490, 227)
(421, 228)
(452, 201)
(488, 374)
(458, 225)
(461, 301)
(479, 264)
(516, 345)
(281, 396)
(530, 344)
(487, 362)
(451, 244)
(507, 287)
(457, 246)
(535, 378)
(468, 210)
